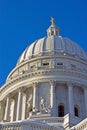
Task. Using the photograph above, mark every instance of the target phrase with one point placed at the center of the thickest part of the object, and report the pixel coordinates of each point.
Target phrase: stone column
(12, 110)
(70, 98)
(1, 111)
(24, 106)
(85, 97)
(34, 95)
(7, 109)
(53, 98)
(19, 105)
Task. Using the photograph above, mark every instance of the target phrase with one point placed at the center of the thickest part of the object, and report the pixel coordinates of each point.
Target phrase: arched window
(60, 110)
(76, 111)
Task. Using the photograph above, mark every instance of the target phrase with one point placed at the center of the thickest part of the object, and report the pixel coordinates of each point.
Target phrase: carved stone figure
(44, 107)
(49, 109)
(42, 104)
(29, 103)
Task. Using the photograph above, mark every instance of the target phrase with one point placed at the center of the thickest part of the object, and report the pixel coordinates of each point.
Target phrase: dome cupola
(53, 30)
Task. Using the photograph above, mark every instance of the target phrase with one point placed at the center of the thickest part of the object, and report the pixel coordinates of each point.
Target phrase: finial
(52, 20)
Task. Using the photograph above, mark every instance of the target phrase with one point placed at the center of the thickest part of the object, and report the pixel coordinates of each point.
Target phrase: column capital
(52, 82)
(9, 95)
(70, 83)
(34, 84)
(20, 89)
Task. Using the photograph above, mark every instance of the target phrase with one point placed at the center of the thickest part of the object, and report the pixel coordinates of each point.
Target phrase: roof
(53, 42)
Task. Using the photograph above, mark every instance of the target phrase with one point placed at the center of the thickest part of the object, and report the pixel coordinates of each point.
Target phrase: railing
(53, 120)
(26, 125)
(82, 125)
(10, 126)
(43, 124)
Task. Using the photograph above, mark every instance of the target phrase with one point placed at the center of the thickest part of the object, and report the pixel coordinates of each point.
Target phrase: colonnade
(52, 100)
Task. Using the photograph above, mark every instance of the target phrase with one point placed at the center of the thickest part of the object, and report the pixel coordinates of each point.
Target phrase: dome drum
(52, 62)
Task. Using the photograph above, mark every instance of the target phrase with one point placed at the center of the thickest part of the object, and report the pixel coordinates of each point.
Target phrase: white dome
(52, 43)
(47, 90)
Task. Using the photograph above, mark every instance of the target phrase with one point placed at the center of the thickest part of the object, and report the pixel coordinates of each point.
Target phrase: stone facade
(47, 89)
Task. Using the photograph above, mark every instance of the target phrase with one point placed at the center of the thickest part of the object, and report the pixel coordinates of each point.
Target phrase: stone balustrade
(52, 120)
(41, 124)
(81, 126)
(28, 125)
(10, 126)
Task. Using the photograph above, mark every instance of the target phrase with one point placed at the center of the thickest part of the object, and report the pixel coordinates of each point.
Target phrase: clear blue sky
(23, 21)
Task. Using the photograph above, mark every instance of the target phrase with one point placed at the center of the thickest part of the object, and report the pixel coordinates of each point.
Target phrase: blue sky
(24, 21)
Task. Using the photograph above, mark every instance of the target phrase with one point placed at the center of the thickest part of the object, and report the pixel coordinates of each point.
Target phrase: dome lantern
(53, 30)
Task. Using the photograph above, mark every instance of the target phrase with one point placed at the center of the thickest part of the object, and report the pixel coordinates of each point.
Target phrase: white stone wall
(62, 97)
(79, 100)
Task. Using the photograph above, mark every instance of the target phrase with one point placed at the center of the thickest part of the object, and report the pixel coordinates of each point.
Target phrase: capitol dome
(47, 89)
(53, 42)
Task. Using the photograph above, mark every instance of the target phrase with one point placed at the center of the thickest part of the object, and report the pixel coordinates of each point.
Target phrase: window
(52, 33)
(76, 112)
(45, 64)
(60, 110)
(73, 66)
(60, 65)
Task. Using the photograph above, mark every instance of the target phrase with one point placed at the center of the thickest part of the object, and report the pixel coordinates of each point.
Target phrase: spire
(53, 30)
